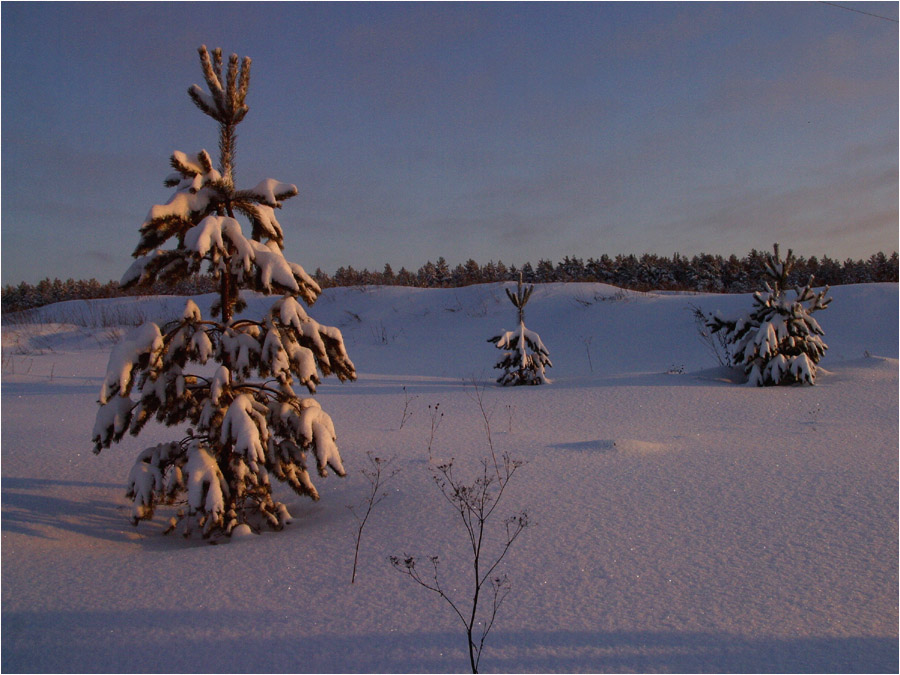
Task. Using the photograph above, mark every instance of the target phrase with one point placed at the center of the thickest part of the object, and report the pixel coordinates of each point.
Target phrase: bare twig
(475, 503)
(436, 418)
(407, 413)
(716, 345)
(376, 477)
(478, 395)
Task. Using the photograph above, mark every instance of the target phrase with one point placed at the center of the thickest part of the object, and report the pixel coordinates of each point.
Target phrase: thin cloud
(817, 216)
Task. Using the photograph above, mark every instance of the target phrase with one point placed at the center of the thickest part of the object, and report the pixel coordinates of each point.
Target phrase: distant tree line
(703, 273)
(47, 291)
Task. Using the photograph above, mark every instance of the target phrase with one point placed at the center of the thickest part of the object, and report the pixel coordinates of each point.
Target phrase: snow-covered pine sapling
(247, 423)
(376, 477)
(778, 342)
(524, 357)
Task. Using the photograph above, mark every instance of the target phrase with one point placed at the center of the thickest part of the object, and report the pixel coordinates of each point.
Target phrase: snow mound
(623, 445)
(630, 445)
(882, 362)
(241, 531)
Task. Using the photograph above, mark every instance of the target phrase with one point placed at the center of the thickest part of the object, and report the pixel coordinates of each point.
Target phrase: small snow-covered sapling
(779, 341)
(524, 357)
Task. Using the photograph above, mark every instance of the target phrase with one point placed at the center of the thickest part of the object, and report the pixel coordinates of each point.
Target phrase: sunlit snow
(683, 521)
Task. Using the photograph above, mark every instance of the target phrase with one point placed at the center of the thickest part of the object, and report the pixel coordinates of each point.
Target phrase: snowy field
(682, 523)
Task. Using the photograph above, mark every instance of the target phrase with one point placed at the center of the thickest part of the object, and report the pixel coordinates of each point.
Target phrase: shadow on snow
(142, 641)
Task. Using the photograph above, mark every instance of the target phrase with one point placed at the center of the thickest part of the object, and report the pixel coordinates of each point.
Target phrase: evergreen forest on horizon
(704, 273)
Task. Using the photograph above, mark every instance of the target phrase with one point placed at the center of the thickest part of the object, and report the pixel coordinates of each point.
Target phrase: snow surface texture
(682, 522)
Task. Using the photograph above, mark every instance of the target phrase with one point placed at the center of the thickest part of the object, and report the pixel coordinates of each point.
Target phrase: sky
(498, 131)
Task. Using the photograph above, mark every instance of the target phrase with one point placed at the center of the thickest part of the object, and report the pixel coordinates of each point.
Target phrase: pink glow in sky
(488, 131)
